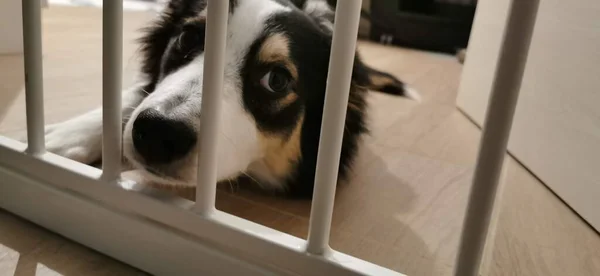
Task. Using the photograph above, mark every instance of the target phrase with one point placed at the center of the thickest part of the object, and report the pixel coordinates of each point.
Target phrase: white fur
(238, 145)
(80, 138)
(319, 8)
(412, 93)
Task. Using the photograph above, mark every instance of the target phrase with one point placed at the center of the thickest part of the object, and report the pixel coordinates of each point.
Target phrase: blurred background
(437, 25)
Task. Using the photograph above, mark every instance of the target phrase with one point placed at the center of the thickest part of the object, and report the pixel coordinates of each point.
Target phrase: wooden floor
(403, 209)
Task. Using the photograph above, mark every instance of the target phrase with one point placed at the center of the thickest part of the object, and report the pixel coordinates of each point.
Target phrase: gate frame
(164, 234)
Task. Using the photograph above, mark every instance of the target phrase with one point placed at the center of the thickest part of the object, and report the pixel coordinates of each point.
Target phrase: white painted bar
(112, 56)
(34, 78)
(332, 129)
(214, 65)
(496, 131)
(22, 176)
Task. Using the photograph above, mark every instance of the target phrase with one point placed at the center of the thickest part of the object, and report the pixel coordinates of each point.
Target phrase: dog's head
(276, 63)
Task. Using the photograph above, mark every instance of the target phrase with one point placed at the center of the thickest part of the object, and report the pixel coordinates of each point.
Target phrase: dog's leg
(80, 138)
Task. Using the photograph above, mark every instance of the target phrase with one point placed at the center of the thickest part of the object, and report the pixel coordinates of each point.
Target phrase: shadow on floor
(367, 220)
(29, 250)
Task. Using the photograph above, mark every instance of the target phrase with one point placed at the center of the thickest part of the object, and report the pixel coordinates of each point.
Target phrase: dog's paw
(78, 139)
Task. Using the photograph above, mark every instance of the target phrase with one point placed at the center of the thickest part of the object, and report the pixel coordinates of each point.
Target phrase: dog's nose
(160, 139)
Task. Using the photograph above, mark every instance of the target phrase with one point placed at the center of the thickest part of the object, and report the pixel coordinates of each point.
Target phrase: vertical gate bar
(34, 78)
(214, 59)
(496, 131)
(112, 56)
(332, 129)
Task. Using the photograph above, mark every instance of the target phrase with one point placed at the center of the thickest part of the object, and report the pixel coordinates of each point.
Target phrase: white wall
(556, 133)
(11, 27)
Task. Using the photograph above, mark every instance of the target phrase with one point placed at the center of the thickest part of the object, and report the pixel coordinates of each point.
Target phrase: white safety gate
(166, 235)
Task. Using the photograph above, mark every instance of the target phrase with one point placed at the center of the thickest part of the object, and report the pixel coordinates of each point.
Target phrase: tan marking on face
(196, 19)
(280, 154)
(276, 49)
(286, 101)
(353, 107)
(378, 81)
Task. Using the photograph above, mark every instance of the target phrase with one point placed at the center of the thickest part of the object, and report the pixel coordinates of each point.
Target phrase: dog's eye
(277, 80)
(190, 39)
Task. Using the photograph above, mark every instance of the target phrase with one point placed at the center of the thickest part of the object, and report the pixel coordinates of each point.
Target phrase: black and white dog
(277, 57)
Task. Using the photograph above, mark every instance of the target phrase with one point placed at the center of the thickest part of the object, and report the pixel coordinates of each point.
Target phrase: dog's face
(276, 61)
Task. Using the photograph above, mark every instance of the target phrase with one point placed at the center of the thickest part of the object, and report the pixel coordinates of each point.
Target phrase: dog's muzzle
(160, 139)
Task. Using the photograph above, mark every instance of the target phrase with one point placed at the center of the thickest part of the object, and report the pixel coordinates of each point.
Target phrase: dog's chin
(155, 175)
(184, 176)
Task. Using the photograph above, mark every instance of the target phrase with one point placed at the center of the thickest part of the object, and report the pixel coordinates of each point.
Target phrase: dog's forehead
(248, 21)
(251, 15)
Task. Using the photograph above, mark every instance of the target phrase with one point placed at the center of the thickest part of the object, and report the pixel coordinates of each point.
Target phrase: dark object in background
(434, 25)
(417, 6)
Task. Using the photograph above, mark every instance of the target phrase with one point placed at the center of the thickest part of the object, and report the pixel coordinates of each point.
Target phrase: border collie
(277, 56)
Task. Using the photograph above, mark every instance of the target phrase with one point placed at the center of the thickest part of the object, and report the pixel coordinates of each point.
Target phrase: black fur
(158, 35)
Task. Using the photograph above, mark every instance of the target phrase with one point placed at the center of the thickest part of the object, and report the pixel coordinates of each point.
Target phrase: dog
(276, 65)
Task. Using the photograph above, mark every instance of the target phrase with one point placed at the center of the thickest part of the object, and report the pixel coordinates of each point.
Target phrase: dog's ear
(363, 76)
(366, 77)
(299, 3)
(321, 10)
